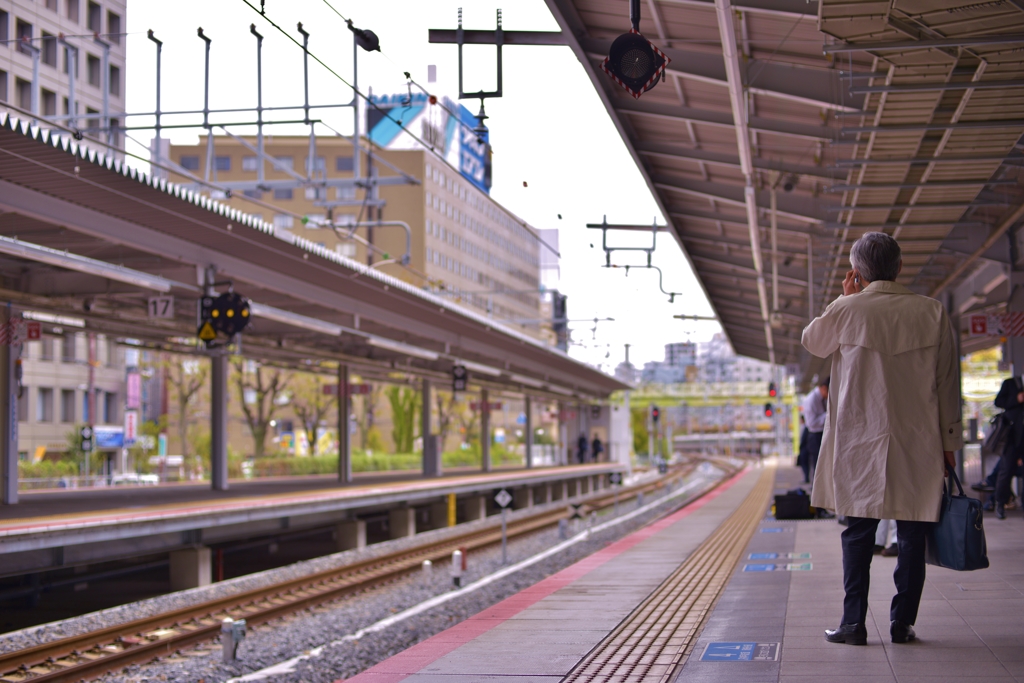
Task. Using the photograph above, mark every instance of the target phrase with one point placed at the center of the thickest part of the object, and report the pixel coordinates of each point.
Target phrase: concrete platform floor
(970, 625)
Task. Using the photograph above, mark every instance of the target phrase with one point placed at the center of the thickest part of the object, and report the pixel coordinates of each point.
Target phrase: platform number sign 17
(460, 378)
(161, 307)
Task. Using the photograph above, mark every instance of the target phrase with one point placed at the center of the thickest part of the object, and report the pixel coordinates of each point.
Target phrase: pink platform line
(411, 661)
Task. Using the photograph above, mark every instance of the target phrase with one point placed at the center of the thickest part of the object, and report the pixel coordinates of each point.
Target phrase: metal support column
(1015, 345)
(8, 417)
(259, 100)
(344, 440)
(485, 431)
(528, 441)
(219, 421)
(431, 447)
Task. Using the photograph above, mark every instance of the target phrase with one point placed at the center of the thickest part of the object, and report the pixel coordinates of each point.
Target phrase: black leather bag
(957, 541)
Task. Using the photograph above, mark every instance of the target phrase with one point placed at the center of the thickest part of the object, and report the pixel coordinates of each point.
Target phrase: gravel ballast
(323, 629)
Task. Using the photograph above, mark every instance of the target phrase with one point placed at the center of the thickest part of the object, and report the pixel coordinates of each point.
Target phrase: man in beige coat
(893, 422)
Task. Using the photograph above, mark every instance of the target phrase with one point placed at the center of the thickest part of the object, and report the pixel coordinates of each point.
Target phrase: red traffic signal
(772, 390)
(769, 410)
(655, 413)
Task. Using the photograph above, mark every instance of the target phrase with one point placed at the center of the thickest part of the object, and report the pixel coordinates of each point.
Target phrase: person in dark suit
(1011, 399)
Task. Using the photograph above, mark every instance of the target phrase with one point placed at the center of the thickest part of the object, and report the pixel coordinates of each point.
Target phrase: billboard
(444, 125)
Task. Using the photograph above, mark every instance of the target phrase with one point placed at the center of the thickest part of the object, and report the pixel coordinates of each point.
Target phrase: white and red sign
(33, 331)
(131, 427)
(353, 389)
(1004, 325)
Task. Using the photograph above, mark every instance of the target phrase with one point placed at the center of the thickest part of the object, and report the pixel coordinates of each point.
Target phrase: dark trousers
(811, 459)
(858, 549)
(1008, 469)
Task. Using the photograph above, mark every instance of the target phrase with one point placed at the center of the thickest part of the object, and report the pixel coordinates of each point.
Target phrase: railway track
(92, 654)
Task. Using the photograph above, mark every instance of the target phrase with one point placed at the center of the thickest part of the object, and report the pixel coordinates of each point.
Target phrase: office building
(80, 49)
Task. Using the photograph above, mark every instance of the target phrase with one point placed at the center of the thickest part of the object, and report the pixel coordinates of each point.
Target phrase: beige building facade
(92, 50)
(463, 244)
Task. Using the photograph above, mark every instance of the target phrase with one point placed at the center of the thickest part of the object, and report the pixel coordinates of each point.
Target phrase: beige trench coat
(894, 403)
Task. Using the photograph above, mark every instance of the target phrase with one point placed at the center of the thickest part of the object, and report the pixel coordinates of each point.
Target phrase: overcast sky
(550, 131)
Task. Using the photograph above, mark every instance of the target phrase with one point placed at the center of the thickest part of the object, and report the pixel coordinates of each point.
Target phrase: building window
(115, 80)
(344, 164)
(94, 19)
(5, 25)
(285, 162)
(48, 53)
(345, 193)
(319, 164)
(44, 405)
(114, 28)
(316, 193)
(283, 221)
(67, 405)
(3, 85)
(346, 249)
(283, 193)
(46, 348)
(67, 348)
(24, 93)
(255, 194)
(93, 70)
(70, 59)
(190, 163)
(250, 164)
(23, 32)
(49, 103)
(92, 123)
(73, 10)
(110, 415)
(222, 163)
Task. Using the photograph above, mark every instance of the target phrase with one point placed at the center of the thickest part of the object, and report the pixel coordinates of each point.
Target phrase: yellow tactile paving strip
(654, 640)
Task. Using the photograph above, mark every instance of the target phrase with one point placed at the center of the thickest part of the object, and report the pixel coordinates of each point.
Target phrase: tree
(446, 413)
(469, 424)
(369, 438)
(311, 404)
(405, 408)
(260, 390)
(188, 377)
(639, 421)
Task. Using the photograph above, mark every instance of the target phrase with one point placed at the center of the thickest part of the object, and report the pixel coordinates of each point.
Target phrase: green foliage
(638, 417)
(47, 469)
(374, 440)
(405, 407)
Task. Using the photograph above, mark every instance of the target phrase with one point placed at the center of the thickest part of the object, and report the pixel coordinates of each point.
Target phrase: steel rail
(94, 653)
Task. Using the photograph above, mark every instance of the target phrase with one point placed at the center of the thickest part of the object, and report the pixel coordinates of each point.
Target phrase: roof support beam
(933, 87)
(670, 151)
(996, 39)
(793, 207)
(913, 127)
(718, 260)
(694, 214)
(675, 112)
(1002, 158)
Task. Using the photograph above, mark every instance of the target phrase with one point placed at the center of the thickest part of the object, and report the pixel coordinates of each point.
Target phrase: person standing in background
(815, 411)
(1011, 399)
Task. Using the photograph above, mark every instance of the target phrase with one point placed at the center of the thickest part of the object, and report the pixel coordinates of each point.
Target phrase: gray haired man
(893, 424)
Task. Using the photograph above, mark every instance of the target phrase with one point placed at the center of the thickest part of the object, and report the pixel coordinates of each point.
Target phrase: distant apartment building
(717, 362)
(80, 38)
(679, 365)
(464, 245)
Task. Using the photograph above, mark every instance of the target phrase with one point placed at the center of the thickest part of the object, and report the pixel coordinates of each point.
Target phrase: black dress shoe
(902, 633)
(1000, 511)
(983, 487)
(851, 634)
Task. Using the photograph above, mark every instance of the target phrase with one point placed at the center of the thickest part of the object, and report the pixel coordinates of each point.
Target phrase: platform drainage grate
(654, 640)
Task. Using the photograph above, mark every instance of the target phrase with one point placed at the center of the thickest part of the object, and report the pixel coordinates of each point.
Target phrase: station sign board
(353, 389)
(489, 406)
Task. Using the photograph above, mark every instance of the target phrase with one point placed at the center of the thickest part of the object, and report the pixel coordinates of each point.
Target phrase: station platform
(49, 528)
(720, 591)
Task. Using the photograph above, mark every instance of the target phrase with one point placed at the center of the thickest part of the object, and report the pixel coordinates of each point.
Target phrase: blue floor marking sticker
(740, 652)
(759, 567)
(762, 556)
